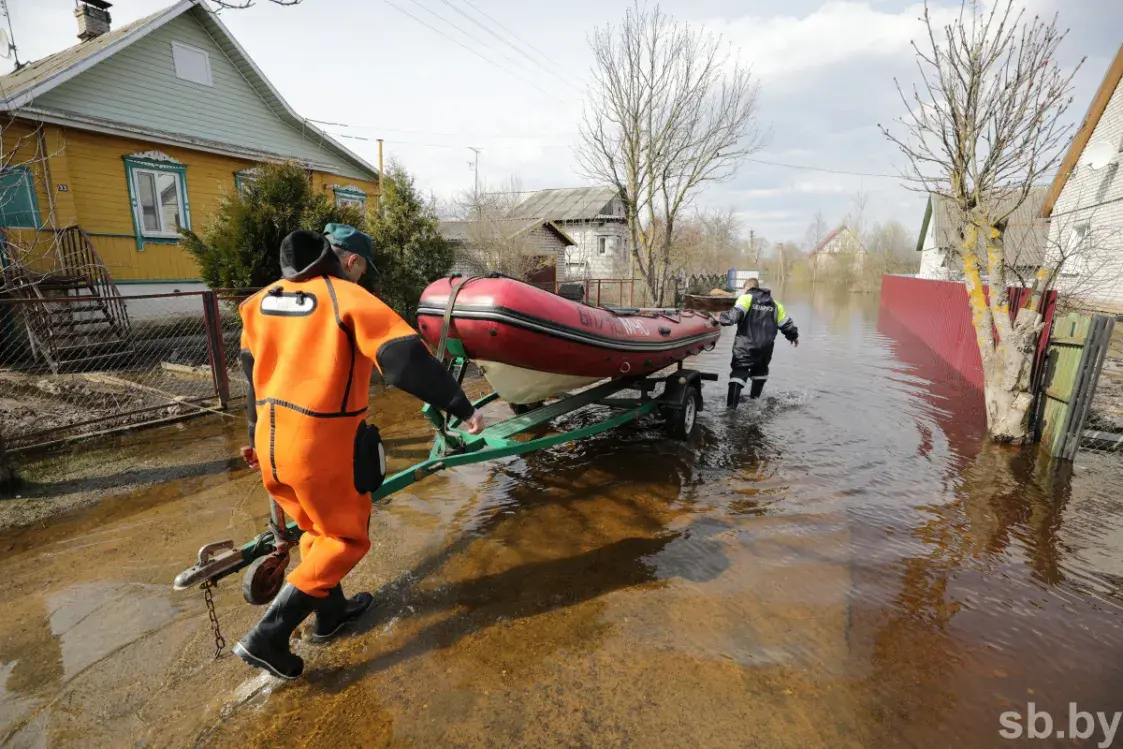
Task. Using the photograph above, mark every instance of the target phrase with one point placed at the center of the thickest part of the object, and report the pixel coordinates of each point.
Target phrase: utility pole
(752, 246)
(380, 177)
(476, 168)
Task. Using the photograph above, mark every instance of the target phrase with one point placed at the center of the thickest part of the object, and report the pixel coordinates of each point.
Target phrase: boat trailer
(267, 556)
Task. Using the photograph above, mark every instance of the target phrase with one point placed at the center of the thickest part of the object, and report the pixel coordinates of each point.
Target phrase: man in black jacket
(758, 318)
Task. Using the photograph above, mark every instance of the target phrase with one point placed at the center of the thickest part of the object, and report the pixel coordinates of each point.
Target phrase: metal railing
(170, 365)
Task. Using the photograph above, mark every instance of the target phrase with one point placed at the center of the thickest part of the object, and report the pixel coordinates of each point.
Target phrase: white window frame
(194, 50)
(602, 245)
(181, 194)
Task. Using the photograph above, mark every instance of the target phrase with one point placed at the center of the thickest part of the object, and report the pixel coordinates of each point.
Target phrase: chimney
(93, 18)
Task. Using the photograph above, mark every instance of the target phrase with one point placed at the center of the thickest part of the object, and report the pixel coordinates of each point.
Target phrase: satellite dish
(5, 45)
(1097, 156)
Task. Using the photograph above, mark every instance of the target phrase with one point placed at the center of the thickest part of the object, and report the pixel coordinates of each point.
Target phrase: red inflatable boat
(531, 344)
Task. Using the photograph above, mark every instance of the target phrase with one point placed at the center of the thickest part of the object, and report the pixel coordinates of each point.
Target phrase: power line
(531, 47)
(461, 44)
(430, 132)
(561, 78)
(478, 41)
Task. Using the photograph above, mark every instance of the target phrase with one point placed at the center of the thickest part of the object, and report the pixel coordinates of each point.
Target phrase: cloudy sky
(432, 81)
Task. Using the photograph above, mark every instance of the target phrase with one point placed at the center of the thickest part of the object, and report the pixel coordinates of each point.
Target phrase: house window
(18, 204)
(245, 178)
(158, 189)
(602, 245)
(350, 195)
(191, 64)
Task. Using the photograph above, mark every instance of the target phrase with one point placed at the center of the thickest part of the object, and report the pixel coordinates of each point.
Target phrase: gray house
(594, 218)
(534, 247)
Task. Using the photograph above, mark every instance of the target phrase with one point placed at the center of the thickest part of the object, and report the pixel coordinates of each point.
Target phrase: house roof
(827, 239)
(20, 88)
(1027, 234)
(458, 231)
(1099, 103)
(567, 204)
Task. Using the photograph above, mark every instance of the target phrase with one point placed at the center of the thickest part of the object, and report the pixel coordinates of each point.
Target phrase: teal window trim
(132, 166)
(31, 200)
(245, 177)
(349, 194)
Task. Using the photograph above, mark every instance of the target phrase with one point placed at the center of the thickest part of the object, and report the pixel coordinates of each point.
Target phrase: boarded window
(191, 64)
(18, 206)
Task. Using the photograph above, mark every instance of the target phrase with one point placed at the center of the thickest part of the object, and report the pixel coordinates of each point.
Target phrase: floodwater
(841, 564)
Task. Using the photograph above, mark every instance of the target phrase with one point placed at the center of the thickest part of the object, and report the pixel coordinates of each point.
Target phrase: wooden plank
(1065, 357)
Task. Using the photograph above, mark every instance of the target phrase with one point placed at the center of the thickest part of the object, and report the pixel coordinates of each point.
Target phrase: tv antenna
(8, 37)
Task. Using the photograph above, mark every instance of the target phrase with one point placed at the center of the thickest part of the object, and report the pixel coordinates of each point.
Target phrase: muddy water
(842, 563)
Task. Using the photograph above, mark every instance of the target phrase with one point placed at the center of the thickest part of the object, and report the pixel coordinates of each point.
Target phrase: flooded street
(843, 563)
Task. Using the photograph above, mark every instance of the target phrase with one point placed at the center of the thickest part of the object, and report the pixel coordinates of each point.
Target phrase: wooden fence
(1077, 349)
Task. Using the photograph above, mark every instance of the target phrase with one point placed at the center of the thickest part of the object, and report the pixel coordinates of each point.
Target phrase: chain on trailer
(208, 599)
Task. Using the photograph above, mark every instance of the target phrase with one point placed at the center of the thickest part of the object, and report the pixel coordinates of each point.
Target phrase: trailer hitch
(214, 559)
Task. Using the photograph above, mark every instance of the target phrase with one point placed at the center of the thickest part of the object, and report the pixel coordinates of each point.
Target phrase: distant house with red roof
(840, 249)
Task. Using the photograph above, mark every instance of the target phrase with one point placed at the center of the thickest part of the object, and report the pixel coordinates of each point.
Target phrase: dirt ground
(37, 408)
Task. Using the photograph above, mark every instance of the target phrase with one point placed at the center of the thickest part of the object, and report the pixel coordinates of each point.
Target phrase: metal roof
(568, 204)
(1026, 236)
(37, 77)
(20, 88)
(458, 231)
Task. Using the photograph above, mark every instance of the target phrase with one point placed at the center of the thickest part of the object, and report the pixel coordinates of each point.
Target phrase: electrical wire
(465, 46)
(561, 78)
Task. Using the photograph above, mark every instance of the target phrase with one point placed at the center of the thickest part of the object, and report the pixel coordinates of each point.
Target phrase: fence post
(216, 348)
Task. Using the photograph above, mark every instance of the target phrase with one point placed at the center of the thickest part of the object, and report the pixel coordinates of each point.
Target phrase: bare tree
(816, 232)
(784, 256)
(669, 111)
(982, 128)
(32, 249)
(495, 242)
(707, 242)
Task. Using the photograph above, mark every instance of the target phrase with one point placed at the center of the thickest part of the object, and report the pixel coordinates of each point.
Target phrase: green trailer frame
(680, 399)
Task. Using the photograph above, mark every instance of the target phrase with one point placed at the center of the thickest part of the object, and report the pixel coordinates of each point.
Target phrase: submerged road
(843, 563)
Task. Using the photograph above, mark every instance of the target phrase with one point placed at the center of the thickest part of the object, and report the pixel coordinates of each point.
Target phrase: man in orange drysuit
(309, 343)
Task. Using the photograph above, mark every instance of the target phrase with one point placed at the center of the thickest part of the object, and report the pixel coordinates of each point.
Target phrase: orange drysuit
(309, 343)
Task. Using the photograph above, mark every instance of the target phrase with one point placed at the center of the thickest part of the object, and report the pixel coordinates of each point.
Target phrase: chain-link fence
(1103, 429)
(69, 367)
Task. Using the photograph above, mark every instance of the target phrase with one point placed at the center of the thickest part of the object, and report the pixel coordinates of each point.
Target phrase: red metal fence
(937, 313)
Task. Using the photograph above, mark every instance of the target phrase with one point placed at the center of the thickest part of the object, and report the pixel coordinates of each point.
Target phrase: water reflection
(845, 562)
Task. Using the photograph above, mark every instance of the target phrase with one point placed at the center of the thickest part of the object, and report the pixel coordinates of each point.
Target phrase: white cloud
(839, 30)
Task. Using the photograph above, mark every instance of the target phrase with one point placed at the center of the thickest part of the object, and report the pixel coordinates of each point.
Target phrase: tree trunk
(1006, 350)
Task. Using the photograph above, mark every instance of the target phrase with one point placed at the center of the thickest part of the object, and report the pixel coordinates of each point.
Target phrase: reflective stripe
(760, 378)
(785, 322)
(744, 302)
(740, 380)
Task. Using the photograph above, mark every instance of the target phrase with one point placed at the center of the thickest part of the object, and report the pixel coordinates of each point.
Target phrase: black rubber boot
(756, 389)
(267, 644)
(337, 611)
(733, 398)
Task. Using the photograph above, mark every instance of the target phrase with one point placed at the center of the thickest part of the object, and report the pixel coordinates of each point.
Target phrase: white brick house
(1085, 202)
(594, 218)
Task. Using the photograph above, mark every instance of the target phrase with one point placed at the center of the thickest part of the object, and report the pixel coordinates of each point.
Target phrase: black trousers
(751, 365)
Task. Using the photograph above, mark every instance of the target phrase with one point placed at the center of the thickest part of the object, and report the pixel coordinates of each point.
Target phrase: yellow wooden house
(139, 130)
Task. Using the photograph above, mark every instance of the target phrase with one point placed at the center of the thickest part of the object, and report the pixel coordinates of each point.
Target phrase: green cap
(350, 239)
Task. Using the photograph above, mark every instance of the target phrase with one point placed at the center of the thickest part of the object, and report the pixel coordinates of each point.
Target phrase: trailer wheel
(264, 578)
(681, 421)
